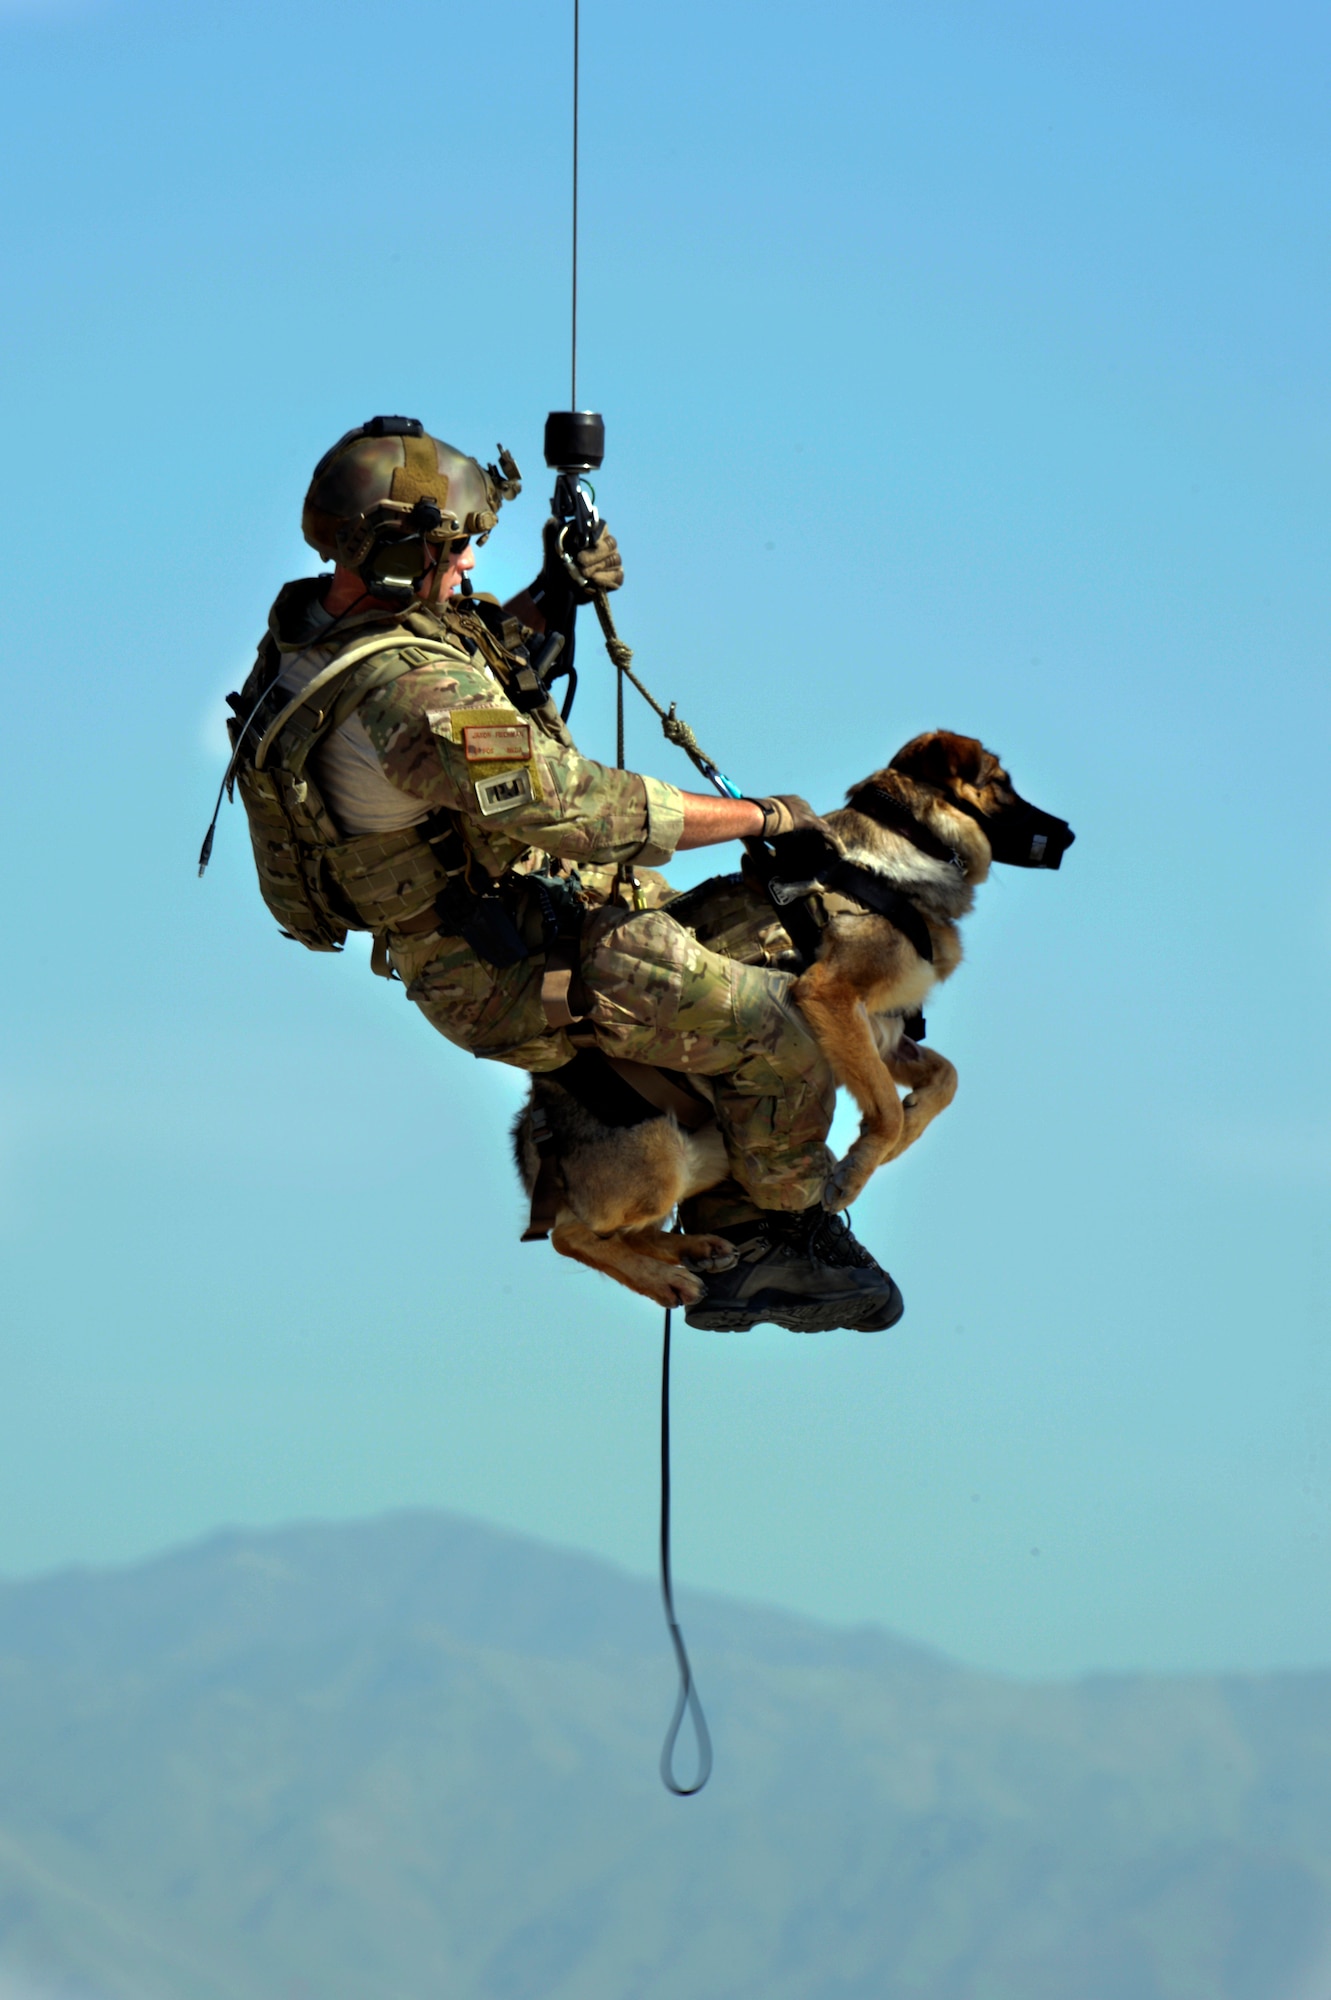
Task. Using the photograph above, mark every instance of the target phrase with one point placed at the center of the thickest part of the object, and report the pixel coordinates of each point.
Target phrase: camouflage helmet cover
(374, 476)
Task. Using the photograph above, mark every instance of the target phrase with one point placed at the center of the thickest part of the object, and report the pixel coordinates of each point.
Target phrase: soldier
(405, 772)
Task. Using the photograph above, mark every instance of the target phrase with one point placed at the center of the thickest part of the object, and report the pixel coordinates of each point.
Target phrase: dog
(870, 928)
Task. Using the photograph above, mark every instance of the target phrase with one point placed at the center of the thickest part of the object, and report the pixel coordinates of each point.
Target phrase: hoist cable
(678, 732)
(687, 1698)
(573, 396)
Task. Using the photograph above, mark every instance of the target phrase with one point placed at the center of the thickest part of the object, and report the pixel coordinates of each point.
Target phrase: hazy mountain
(415, 1759)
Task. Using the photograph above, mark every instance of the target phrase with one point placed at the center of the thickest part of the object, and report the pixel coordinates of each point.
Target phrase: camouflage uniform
(448, 735)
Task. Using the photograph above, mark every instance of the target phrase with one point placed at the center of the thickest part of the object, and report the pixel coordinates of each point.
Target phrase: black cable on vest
(206, 851)
(687, 1698)
(620, 765)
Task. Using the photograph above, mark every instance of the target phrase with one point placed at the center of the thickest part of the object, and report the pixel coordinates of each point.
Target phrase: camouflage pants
(658, 996)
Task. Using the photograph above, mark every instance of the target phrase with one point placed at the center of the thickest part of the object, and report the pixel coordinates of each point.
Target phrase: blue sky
(961, 366)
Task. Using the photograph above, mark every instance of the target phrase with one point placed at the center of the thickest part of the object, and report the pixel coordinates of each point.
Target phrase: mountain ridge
(416, 1756)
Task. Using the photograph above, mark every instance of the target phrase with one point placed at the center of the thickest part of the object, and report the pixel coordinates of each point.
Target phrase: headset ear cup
(394, 566)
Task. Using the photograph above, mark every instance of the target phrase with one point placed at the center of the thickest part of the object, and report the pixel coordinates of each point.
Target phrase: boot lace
(823, 1237)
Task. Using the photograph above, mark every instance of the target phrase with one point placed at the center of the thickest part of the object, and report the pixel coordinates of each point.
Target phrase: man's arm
(525, 609)
(448, 736)
(601, 566)
(708, 820)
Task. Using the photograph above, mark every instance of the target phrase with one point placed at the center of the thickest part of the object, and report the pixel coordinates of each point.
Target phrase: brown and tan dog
(879, 929)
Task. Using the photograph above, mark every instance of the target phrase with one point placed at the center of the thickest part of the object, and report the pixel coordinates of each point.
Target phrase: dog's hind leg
(643, 1270)
(705, 1163)
(841, 1028)
(696, 1253)
(620, 1188)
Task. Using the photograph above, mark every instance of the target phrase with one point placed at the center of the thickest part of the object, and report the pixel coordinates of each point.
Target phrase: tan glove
(602, 566)
(802, 844)
(788, 813)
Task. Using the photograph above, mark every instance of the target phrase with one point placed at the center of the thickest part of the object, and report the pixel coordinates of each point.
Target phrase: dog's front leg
(932, 1084)
(841, 1028)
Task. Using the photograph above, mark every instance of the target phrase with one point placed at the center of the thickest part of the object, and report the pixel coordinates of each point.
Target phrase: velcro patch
(494, 743)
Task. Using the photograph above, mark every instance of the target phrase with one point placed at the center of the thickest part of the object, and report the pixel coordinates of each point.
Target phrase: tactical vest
(316, 882)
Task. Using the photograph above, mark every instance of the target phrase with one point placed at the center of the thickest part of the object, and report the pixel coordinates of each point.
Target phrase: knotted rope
(673, 726)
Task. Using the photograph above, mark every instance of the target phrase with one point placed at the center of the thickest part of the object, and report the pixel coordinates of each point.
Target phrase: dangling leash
(687, 1698)
(677, 731)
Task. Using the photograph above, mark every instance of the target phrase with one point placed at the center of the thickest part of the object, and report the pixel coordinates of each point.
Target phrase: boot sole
(796, 1316)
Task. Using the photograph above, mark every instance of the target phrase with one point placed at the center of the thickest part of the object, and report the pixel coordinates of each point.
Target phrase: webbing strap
(880, 896)
(799, 908)
(333, 671)
(664, 1091)
(561, 962)
(547, 1195)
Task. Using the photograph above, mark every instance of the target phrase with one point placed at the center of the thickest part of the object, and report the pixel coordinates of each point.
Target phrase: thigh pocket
(454, 990)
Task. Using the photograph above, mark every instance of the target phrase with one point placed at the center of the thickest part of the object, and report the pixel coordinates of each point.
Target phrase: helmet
(389, 483)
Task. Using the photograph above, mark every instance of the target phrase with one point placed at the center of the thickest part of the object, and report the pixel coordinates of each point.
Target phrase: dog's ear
(942, 759)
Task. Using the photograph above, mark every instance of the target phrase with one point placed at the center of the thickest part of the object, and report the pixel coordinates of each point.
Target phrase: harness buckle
(784, 893)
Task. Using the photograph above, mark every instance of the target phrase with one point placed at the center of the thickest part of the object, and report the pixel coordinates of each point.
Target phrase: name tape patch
(496, 742)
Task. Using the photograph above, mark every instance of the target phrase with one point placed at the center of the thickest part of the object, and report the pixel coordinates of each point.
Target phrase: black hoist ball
(574, 440)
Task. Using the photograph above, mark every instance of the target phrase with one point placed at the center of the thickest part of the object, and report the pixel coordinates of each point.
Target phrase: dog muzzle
(1028, 838)
(1021, 835)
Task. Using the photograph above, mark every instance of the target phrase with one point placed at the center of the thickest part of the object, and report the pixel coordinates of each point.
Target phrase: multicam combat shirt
(446, 735)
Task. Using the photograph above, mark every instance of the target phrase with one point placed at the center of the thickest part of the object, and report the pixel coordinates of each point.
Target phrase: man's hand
(545, 601)
(802, 843)
(602, 564)
(600, 567)
(789, 813)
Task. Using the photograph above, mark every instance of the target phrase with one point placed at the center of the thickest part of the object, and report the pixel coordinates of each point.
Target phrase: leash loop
(687, 1697)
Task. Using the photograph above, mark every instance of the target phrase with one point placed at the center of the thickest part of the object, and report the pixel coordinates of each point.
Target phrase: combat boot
(805, 1272)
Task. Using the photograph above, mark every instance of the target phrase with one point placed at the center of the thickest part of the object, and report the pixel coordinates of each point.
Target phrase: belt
(488, 927)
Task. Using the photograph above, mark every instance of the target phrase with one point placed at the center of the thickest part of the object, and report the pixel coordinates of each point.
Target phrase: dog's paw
(844, 1183)
(679, 1287)
(707, 1253)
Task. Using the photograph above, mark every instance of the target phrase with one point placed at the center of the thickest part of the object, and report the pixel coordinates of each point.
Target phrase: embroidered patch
(496, 742)
(500, 756)
(504, 791)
